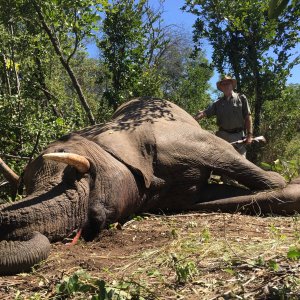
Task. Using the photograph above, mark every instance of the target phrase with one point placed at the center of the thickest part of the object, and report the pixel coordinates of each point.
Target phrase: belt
(234, 130)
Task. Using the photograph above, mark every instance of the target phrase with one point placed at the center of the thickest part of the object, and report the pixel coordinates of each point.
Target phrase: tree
(184, 76)
(276, 7)
(256, 49)
(129, 46)
(67, 23)
(13, 48)
(36, 96)
(281, 125)
(25, 54)
(192, 90)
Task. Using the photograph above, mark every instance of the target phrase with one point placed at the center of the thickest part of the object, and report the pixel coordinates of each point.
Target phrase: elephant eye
(61, 150)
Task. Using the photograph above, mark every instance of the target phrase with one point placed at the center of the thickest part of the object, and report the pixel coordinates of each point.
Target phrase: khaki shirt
(230, 113)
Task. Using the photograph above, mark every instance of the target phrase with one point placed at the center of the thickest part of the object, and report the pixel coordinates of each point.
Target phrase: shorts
(233, 137)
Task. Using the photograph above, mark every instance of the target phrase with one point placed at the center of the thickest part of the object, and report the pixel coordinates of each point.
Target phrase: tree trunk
(234, 58)
(5, 73)
(258, 105)
(65, 63)
(258, 90)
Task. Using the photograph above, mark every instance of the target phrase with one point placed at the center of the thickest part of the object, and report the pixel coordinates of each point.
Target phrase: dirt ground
(186, 256)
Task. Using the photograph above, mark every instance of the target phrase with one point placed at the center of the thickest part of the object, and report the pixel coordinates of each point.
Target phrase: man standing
(233, 115)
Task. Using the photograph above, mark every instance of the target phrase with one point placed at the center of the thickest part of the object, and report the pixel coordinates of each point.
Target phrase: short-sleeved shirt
(230, 113)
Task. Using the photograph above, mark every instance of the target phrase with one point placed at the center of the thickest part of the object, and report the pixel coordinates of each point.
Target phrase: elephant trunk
(53, 214)
(20, 256)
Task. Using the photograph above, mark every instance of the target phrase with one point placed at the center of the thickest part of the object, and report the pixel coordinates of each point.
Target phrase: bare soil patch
(186, 256)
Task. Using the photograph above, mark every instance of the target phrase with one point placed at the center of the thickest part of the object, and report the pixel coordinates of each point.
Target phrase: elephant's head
(69, 186)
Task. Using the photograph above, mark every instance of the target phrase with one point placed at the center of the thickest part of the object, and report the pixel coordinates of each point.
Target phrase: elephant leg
(248, 174)
(284, 201)
(220, 157)
(212, 192)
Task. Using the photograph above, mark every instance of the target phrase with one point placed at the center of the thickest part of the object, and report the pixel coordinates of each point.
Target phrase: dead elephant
(152, 155)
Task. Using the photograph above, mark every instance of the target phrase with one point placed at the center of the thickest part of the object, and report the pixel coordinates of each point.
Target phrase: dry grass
(189, 256)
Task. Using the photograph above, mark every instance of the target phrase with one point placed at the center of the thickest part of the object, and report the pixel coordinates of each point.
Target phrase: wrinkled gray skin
(151, 156)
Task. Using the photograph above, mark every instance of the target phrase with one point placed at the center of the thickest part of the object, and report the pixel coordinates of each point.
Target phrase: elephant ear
(135, 147)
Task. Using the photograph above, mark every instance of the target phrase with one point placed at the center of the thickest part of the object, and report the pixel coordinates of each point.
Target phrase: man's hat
(226, 78)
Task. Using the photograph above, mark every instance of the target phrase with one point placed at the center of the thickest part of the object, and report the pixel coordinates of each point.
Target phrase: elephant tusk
(77, 161)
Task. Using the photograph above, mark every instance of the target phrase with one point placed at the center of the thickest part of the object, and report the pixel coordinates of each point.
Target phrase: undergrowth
(204, 256)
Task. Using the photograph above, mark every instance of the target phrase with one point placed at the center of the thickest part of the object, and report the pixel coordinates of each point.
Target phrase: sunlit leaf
(294, 253)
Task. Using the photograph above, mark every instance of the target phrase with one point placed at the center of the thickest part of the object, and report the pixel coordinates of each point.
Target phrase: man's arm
(249, 129)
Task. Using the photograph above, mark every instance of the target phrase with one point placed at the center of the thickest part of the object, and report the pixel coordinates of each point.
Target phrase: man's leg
(240, 148)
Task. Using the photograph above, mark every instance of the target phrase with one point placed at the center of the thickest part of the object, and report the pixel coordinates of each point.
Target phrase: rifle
(257, 139)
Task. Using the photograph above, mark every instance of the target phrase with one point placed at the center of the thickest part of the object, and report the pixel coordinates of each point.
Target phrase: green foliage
(277, 233)
(78, 282)
(273, 265)
(206, 235)
(67, 24)
(40, 29)
(294, 253)
(71, 21)
(185, 270)
(241, 35)
(149, 83)
(257, 50)
(288, 169)
(187, 85)
(138, 218)
(122, 46)
(276, 7)
(185, 77)
(130, 47)
(280, 125)
(81, 284)
(23, 121)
